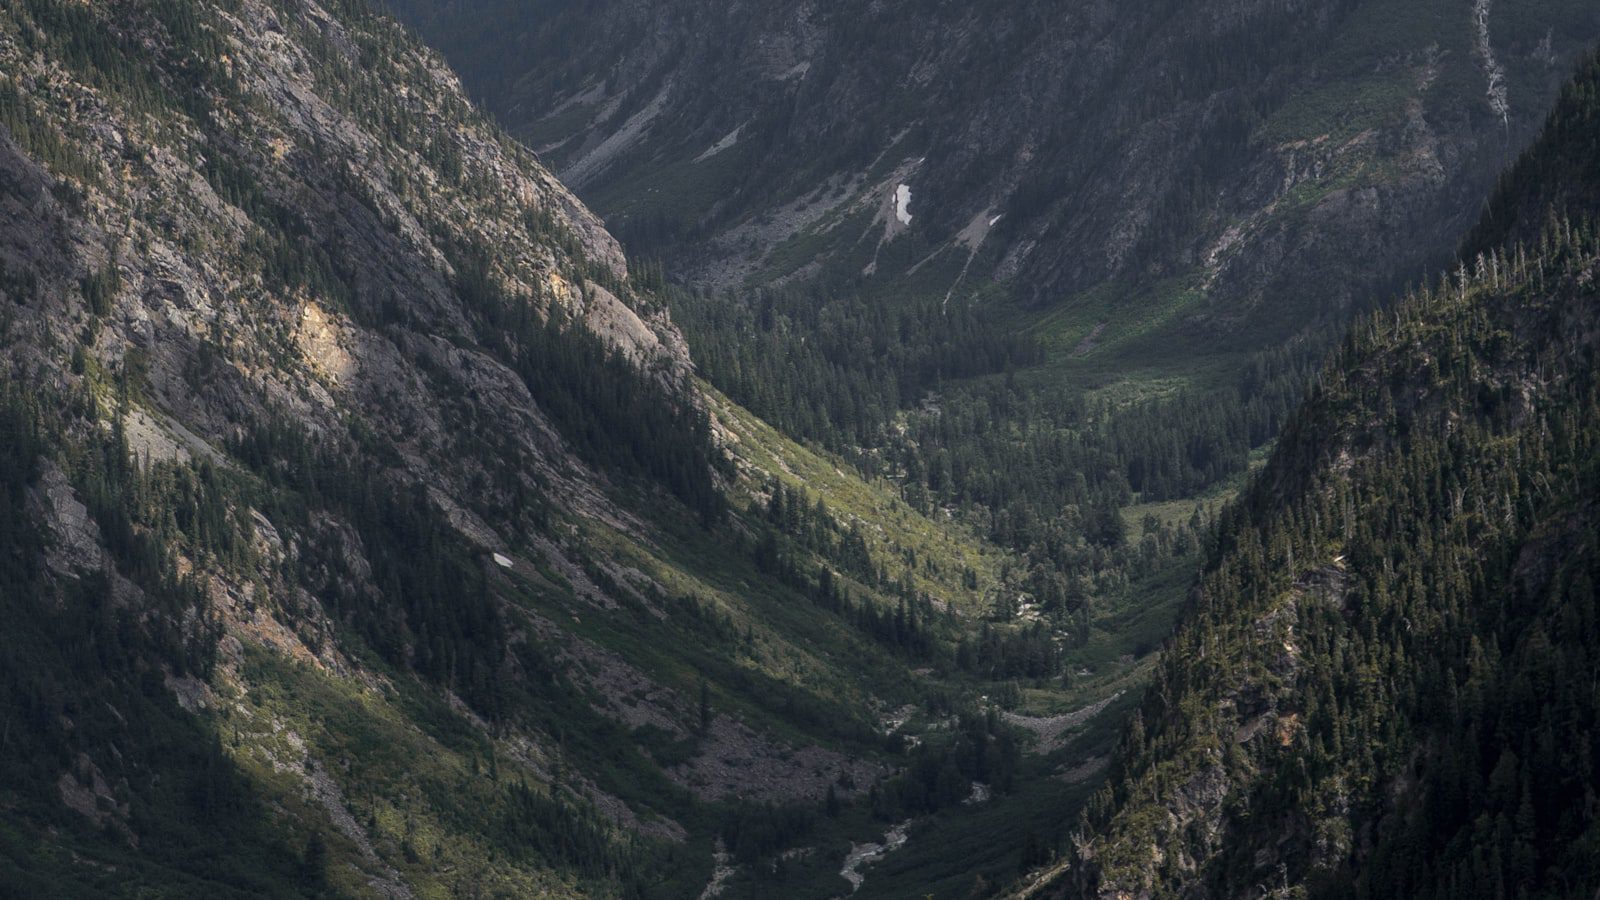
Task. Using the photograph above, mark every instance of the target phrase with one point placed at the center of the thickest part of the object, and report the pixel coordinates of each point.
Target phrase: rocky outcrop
(286, 254)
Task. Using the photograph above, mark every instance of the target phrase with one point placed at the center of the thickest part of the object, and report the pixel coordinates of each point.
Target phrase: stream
(863, 855)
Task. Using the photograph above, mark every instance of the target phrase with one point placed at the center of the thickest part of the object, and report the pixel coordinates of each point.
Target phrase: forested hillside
(366, 531)
(1050, 268)
(1383, 685)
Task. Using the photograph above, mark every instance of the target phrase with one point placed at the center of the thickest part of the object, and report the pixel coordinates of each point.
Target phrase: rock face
(318, 386)
(1282, 158)
(315, 234)
(308, 256)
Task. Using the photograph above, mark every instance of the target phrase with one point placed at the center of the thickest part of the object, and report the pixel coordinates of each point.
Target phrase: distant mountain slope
(364, 530)
(1384, 683)
(1278, 159)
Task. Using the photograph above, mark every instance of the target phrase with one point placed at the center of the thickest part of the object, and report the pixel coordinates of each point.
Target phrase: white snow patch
(502, 560)
(994, 219)
(893, 197)
(902, 204)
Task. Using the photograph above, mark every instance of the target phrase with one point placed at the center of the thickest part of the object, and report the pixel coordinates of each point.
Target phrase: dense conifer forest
(1384, 686)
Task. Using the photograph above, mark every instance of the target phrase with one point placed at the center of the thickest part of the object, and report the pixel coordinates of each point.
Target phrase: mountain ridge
(1369, 670)
(1249, 147)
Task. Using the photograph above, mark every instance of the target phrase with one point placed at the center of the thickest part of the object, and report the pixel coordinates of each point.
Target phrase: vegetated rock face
(1283, 158)
(317, 230)
(315, 384)
(1363, 698)
(277, 249)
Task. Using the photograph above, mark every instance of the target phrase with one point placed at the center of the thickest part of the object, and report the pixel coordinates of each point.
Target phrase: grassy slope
(418, 764)
(947, 851)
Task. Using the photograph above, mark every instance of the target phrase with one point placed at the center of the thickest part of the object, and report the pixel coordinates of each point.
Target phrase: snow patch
(893, 197)
(902, 204)
(503, 561)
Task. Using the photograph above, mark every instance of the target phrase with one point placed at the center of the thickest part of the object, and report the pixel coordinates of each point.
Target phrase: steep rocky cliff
(305, 205)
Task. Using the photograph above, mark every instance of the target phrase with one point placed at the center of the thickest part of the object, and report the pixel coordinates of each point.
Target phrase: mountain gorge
(374, 523)
(366, 529)
(1046, 266)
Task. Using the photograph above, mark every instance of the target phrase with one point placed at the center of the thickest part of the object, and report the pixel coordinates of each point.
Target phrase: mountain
(372, 525)
(368, 532)
(1252, 169)
(1065, 272)
(1382, 685)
